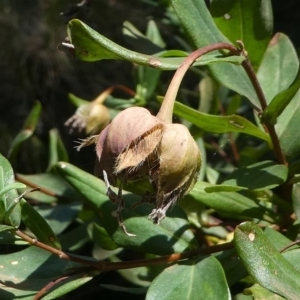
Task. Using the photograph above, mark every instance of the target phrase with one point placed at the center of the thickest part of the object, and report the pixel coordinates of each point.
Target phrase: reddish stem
(105, 266)
(166, 110)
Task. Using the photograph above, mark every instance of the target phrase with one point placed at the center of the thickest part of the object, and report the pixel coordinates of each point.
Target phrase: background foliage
(241, 179)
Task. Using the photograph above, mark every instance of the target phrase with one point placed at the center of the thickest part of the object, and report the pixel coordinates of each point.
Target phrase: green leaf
(60, 216)
(250, 21)
(67, 286)
(149, 43)
(277, 239)
(292, 256)
(219, 124)
(258, 177)
(232, 204)
(37, 224)
(281, 61)
(141, 276)
(288, 129)
(259, 293)
(29, 127)
(264, 263)
(76, 100)
(92, 46)
(15, 185)
(26, 272)
(51, 187)
(194, 14)
(191, 279)
(57, 150)
(74, 238)
(172, 235)
(296, 199)
(280, 101)
(6, 228)
(100, 237)
(7, 200)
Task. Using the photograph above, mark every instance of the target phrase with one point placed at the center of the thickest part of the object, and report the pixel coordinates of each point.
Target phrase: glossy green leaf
(153, 34)
(52, 187)
(280, 101)
(6, 228)
(250, 21)
(149, 43)
(194, 14)
(288, 129)
(100, 237)
(172, 235)
(60, 216)
(191, 279)
(26, 132)
(232, 204)
(92, 46)
(292, 256)
(22, 275)
(281, 61)
(278, 240)
(264, 263)
(259, 176)
(260, 293)
(141, 276)
(37, 224)
(7, 179)
(15, 185)
(67, 286)
(74, 238)
(219, 124)
(57, 150)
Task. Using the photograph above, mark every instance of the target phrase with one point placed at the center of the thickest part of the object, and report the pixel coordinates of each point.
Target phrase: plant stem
(166, 110)
(270, 128)
(105, 266)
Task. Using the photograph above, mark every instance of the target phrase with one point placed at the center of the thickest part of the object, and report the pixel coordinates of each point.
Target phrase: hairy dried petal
(179, 165)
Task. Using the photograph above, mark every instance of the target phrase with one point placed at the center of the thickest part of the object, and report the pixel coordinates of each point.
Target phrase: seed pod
(126, 144)
(178, 168)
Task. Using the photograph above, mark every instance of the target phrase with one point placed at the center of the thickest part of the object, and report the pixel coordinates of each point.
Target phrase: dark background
(33, 68)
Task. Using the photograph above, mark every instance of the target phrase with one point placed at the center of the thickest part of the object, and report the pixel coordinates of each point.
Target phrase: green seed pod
(178, 168)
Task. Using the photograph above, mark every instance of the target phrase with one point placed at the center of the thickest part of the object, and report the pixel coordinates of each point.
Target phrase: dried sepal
(139, 152)
(91, 140)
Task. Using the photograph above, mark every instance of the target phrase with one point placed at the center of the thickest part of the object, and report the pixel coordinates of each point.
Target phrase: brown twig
(290, 245)
(104, 266)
